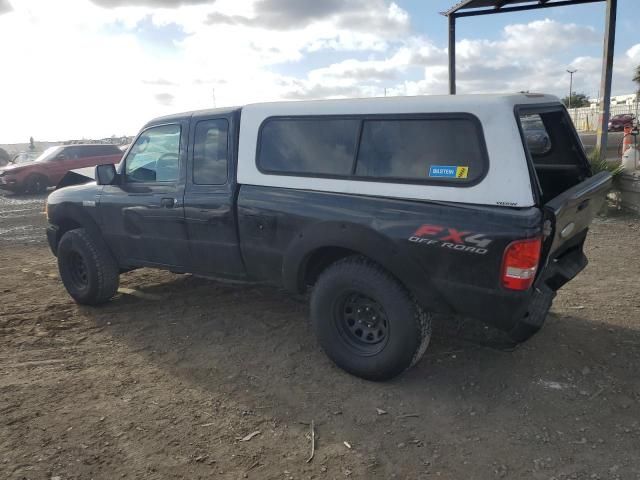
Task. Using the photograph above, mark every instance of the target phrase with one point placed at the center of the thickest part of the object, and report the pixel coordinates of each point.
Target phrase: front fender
(69, 214)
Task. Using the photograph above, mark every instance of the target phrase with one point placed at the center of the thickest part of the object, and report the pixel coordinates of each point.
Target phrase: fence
(586, 119)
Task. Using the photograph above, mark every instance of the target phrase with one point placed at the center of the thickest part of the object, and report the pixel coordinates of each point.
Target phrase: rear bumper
(556, 274)
(520, 314)
(52, 238)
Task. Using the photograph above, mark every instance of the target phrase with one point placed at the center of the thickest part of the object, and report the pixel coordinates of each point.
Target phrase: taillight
(520, 263)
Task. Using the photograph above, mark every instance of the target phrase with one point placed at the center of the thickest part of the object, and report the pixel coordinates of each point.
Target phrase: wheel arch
(37, 173)
(34, 175)
(69, 217)
(321, 245)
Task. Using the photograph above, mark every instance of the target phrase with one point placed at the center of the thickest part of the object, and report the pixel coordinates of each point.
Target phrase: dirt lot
(168, 379)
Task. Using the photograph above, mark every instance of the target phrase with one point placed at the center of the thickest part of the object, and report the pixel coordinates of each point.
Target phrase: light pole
(571, 72)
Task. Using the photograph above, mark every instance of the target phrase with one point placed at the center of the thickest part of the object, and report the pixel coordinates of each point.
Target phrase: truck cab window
(210, 152)
(155, 157)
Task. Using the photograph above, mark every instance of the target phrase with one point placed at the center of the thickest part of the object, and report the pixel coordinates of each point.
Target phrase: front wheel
(36, 183)
(88, 270)
(366, 321)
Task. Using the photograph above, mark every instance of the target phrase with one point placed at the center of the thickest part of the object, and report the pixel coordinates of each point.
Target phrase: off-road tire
(409, 326)
(97, 281)
(36, 183)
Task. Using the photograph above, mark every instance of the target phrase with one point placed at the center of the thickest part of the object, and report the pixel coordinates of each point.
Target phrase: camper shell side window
(436, 149)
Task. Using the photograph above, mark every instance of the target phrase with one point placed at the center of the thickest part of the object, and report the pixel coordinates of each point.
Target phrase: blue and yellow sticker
(448, 171)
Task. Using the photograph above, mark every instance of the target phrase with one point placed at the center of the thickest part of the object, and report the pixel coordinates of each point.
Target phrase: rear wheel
(87, 268)
(36, 183)
(366, 321)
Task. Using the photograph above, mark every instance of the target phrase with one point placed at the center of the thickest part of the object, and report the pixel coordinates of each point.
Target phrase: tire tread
(359, 266)
(108, 272)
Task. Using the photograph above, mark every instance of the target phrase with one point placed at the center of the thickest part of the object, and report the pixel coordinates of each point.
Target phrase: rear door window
(72, 153)
(104, 150)
(210, 152)
(436, 150)
(89, 151)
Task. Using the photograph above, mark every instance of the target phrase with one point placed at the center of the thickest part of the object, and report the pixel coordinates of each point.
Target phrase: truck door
(142, 215)
(209, 200)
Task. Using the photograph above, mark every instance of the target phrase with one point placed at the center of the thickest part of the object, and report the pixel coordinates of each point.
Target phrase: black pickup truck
(386, 210)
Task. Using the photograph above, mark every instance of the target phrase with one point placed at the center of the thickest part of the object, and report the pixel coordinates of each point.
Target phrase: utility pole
(571, 72)
(213, 92)
(452, 54)
(605, 81)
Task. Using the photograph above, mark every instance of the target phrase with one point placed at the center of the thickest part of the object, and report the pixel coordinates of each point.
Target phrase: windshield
(48, 154)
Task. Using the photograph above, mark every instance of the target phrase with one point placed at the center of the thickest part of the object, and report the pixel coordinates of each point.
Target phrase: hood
(12, 167)
(75, 193)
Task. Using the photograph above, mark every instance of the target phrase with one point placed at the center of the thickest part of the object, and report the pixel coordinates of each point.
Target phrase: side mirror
(105, 174)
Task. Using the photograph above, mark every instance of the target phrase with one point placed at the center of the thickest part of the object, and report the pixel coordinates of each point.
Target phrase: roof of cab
(421, 102)
(86, 145)
(194, 113)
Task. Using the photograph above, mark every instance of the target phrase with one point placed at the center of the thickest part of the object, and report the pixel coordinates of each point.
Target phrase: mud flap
(536, 314)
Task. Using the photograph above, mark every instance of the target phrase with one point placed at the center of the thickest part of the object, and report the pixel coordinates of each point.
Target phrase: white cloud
(524, 58)
(80, 69)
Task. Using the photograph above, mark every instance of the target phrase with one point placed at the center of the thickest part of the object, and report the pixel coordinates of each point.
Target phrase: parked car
(618, 122)
(53, 164)
(386, 209)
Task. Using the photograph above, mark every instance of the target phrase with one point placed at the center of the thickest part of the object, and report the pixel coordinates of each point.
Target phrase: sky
(96, 68)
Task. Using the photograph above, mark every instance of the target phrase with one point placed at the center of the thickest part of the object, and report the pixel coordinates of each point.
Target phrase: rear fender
(361, 240)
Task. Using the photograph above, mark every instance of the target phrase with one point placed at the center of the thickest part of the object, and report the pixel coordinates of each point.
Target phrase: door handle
(168, 202)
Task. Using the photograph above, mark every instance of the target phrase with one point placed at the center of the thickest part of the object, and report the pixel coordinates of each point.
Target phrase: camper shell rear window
(435, 149)
(556, 157)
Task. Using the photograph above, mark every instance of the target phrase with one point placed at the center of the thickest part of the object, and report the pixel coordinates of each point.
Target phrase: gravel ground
(174, 377)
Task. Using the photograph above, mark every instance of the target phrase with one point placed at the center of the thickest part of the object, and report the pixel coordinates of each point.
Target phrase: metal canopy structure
(473, 8)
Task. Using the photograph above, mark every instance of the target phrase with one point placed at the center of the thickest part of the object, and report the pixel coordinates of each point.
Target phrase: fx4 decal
(448, 237)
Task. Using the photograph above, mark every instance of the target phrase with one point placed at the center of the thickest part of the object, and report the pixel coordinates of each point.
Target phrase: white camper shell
(506, 181)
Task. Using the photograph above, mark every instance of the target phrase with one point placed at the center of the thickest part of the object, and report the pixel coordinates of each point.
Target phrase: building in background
(586, 118)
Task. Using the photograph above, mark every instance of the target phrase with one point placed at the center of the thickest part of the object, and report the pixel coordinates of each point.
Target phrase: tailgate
(572, 211)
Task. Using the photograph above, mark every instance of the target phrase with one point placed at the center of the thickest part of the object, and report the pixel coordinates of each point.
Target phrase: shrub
(598, 165)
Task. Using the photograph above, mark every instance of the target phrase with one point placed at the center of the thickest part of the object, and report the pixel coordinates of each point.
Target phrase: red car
(49, 168)
(618, 122)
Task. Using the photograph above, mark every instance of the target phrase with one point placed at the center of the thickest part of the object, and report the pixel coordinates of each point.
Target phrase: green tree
(32, 144)
(578, 100)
